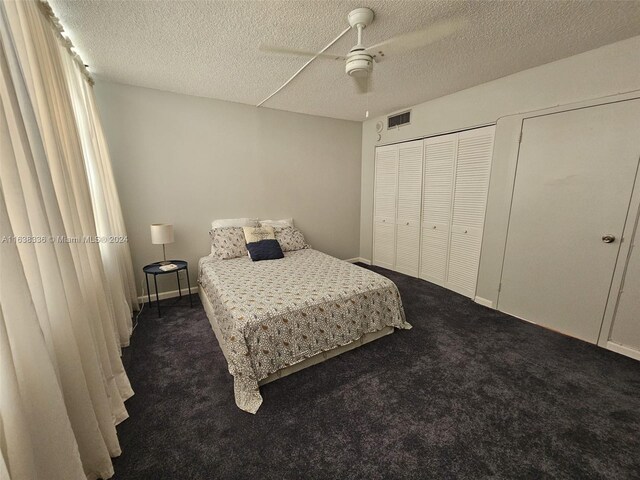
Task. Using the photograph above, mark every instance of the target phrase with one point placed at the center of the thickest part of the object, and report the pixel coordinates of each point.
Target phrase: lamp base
(164, 255)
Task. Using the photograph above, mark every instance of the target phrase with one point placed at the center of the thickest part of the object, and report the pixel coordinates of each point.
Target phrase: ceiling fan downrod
(359, 62)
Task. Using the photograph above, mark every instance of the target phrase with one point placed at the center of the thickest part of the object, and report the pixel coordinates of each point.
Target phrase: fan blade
(299, 53)
(418, 38)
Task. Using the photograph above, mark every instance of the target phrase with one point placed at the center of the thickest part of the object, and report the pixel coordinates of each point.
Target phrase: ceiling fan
(360, 59)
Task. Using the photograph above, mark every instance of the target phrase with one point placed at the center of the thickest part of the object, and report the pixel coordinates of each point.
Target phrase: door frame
(628, 232)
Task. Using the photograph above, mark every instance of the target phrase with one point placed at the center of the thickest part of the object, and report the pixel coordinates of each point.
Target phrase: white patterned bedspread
(275, 313)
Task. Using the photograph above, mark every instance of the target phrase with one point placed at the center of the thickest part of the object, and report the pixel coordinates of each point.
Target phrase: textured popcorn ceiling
(210, 48)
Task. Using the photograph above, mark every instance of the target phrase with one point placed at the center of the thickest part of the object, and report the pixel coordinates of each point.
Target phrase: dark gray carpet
(467, 393)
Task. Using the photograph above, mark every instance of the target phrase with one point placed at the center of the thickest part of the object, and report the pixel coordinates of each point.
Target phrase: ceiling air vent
(400, 119)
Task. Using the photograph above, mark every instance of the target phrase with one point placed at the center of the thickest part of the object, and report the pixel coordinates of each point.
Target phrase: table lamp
(162, 233)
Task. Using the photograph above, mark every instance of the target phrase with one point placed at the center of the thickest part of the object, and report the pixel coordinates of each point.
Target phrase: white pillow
(285, 222)
(235, 222)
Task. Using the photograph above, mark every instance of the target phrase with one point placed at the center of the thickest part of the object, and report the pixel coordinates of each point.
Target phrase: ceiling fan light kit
(359, 64)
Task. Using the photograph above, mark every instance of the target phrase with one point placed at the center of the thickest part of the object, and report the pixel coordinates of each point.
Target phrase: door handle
(608, 238)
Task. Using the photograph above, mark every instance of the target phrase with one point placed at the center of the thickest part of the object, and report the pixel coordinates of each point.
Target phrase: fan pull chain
(366, 115)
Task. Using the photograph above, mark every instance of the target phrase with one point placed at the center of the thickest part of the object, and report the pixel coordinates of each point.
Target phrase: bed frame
(318, 358)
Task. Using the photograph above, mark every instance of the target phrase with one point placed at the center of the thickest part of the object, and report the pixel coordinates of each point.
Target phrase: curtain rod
(58, 28)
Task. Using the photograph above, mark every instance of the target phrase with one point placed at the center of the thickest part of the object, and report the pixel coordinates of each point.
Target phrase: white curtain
(106, 204)
(37, 440)
(63, 314)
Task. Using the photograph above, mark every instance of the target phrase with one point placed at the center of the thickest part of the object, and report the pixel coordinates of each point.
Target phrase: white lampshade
(161, 233)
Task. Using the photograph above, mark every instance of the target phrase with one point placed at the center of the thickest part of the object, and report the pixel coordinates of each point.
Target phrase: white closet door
(384, 244)
(384, 209)
(386, 184)
(409, 205)
(625, 330)
(574, 180)
(471, 184)
(439, 162)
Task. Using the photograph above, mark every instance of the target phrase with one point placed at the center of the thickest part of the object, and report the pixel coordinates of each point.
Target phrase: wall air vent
(403, 118)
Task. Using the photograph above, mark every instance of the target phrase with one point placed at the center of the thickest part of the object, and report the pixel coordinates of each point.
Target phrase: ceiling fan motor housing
(359, 63)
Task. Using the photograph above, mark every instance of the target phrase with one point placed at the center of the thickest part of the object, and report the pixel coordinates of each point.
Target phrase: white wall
(608, 70)
(187, 160)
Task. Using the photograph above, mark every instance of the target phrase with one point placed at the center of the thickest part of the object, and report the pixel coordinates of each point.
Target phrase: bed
(274, 317)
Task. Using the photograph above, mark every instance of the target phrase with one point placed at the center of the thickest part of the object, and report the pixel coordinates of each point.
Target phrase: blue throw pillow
(268, 249)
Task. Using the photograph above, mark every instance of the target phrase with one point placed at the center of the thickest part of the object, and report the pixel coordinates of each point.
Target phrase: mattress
(275, 313)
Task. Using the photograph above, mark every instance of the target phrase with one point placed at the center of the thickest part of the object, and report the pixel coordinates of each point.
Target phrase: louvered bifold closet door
(471, 183)
(439, 164)
(410, 156)
(384, 206)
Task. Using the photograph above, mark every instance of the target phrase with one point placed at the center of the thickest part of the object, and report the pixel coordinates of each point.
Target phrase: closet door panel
(409, 206)
(409, 182)
(471, 184)
(384, 206)
(435, 248)
(384, 244)
(464, 257)
(386, 184)
(408, 249)
(439, 162)
(473, 165)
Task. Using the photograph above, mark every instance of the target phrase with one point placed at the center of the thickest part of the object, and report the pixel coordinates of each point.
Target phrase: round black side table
(154, 269)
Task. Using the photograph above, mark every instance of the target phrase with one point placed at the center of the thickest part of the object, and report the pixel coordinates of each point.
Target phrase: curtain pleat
(114, 253)
(37, 441)
(65, 306)
(112, 200)
(111, 220)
